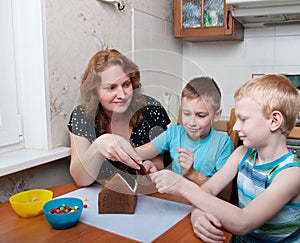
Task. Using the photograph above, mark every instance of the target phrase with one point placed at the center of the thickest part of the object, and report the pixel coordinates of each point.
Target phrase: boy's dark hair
(204, 88)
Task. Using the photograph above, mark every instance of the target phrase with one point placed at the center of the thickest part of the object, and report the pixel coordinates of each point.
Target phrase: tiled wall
(159, 56)
(264, 50)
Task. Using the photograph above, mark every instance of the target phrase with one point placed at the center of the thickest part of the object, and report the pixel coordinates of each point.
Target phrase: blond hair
(90, 80)
(273, 93)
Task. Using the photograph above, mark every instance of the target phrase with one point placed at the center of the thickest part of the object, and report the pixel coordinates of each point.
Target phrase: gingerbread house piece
(118, 195)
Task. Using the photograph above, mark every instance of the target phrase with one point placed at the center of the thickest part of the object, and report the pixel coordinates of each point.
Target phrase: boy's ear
(217, 115)
(276, 120)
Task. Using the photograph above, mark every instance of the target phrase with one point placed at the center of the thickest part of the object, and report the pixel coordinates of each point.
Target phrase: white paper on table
(152, 217)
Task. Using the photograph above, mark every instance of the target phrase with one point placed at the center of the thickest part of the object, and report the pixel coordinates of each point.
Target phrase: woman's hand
(115, 147)
(167, 181)
(207, 227)
(186, 160)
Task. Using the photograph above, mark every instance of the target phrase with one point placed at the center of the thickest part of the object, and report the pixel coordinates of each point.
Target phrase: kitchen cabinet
(205, 20)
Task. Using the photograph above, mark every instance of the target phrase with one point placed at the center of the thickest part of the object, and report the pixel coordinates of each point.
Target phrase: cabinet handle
(227, 20)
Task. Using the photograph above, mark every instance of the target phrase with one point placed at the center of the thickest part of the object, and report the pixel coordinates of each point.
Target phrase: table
(16, 229)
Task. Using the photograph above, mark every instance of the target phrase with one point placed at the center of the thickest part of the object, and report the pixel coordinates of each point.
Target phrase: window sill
(22, 159)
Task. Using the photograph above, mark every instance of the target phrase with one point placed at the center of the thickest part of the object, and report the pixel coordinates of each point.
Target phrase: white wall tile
(286, 50)
(143, 59)
(229, 79)
(169, 28)
(166, 61)
(259, 32)
(173, 44)
(142, 39)
(159, 56)
(158, 25)
(287, 30)
(158, 41)
(142, 21)
(259, 51)
(218, 52)
(192, 69)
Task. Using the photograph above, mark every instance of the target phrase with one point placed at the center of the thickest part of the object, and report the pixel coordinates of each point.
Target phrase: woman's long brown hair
(90, 100)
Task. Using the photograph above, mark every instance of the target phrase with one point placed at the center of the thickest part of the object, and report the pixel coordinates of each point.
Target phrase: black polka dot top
(155, 121)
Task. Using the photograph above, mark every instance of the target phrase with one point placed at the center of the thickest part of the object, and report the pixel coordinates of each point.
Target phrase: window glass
(9, 127)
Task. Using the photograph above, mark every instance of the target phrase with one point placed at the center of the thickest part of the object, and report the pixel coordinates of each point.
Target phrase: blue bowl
(63, 220)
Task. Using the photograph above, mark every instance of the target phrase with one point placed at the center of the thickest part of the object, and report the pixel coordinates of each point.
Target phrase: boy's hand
(167, 181)
(207, 227)
(186, 160)
(145, 180)
(149, 166)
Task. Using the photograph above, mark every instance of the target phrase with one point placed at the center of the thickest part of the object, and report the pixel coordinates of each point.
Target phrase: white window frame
(9, 127)
(31, 65)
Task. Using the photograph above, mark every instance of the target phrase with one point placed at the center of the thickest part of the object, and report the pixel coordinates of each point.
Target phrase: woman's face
(115, 90)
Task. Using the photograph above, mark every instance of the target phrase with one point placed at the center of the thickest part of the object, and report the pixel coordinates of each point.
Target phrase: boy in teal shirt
(197, 150)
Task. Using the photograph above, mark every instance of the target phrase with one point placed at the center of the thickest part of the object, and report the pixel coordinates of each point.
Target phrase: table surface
(16, 229)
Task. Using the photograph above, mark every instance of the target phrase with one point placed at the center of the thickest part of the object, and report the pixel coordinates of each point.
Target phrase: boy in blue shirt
(197, 150)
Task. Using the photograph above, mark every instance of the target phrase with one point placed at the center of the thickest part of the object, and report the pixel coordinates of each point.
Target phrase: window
(25, 85)
(24, 102)
(9, 129)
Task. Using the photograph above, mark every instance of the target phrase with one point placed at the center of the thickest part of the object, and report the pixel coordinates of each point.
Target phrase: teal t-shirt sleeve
(160, 142)
(225, 151)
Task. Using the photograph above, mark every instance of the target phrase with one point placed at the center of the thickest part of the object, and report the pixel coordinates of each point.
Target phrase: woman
(111, 102)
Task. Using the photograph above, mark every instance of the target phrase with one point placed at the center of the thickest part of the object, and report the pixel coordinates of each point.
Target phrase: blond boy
(268, 173)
